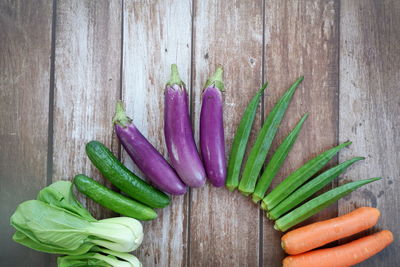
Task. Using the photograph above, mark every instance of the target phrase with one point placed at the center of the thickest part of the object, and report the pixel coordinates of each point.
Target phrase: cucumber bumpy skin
(112, 200)
(114, 171)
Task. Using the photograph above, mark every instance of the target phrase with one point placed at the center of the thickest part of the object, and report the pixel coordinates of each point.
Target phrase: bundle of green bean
(282, 203)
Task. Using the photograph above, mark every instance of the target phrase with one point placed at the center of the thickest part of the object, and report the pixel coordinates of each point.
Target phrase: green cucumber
(120, 176)
(112, 200)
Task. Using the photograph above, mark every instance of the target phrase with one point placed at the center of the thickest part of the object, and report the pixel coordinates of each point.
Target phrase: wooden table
(64, 64)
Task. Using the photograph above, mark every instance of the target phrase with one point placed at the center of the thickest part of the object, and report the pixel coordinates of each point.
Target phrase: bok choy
(57, 223)
(99, 257)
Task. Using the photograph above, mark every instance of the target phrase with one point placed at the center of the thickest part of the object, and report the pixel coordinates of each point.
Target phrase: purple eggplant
(145, 156)
(178, 132)
(212, 141)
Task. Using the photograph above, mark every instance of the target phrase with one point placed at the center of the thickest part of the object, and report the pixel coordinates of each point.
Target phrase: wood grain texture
(24, 108)
(351, 90)
(87, 85)
(301, 39)
(156, 35)
(370, 110)
(224, 226)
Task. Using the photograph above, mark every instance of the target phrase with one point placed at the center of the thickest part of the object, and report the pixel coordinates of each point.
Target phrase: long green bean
(276, 161)
(240, 141)
(317, 204)
(263, 142)
(307, 190)
(298, 177)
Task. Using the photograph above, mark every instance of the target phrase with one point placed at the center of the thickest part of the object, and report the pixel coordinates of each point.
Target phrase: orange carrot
(344, 255)
(318, 234)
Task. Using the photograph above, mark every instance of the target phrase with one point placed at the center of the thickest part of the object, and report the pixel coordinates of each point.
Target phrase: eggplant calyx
(216, 80)
(175, 78)
(120, 117)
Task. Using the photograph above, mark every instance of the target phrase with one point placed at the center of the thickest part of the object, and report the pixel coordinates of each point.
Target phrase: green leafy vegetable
(59, 194)
(99, 257)
(64, 227)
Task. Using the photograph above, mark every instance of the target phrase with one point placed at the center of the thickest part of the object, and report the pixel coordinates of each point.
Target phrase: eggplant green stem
(216, 80)
(120, 117)
(175, 78)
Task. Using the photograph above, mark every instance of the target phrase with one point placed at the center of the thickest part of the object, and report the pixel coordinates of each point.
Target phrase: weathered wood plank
(370, 110)
(87, 85)
(224, 226)
(301, 39)
(156, 34)
(24, 109)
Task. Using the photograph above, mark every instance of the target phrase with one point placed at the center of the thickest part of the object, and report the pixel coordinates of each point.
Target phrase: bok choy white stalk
(99, 257)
